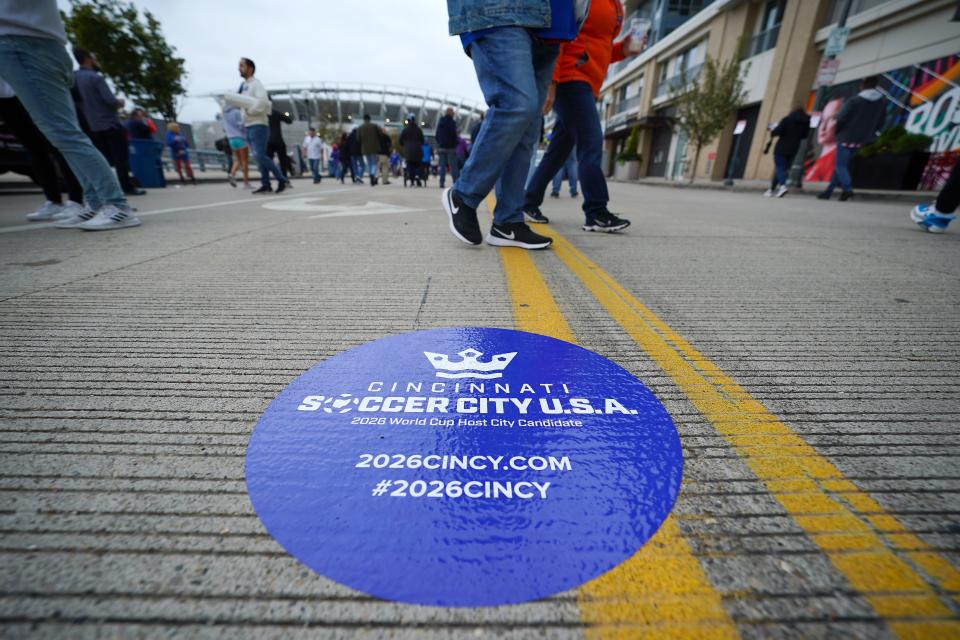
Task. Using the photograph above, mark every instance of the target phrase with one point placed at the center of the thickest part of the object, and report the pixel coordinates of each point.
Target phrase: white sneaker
(782, 191)
(46, 212)
(768, 193)
(110, 217)
(81, 215)
(69, 210)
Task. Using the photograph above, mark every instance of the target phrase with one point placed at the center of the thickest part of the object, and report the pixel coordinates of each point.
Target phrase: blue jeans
(781, 168)
(357, 162)
(841, 170)
(257, 136)
(513, 70)
(578, 124)
(41, 74)
(372, 159)
(568, 171)
(448, 156)
(315, 168)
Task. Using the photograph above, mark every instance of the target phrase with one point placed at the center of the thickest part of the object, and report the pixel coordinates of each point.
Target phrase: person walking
(568, 171)
(383, 159)
(368, 134)
(572, 95)
(790, 132)
(356, 155)
(138, 128)
(276, 146)
(236, 132)
(513, 53)
(937, 216)
(426, 161)
(857, 123)
(447, 136)
(35, 64)
(252, 98)
(346, 161)
(99, 107)
(411, 141)
(44, 161)
(178, 151)
(313, 145)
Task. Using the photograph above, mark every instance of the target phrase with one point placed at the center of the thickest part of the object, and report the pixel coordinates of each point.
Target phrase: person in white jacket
(252, 98)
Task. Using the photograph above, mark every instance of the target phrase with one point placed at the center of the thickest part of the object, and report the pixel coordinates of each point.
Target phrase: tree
(131, 51)
(705, 108)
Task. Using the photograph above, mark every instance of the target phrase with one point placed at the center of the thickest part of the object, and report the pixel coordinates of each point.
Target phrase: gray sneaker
(47, 212)
(110, 217)
(79, 217)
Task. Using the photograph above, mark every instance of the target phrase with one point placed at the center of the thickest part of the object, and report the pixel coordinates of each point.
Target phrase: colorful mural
(924, 98)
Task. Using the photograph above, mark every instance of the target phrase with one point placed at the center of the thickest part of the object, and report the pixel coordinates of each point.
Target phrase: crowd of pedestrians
(529, 62)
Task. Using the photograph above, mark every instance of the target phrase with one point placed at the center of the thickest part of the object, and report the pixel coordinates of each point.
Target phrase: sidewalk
(809, 189)
(806, 354)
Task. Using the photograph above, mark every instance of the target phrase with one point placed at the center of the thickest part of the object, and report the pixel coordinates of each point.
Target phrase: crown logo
(469, 365)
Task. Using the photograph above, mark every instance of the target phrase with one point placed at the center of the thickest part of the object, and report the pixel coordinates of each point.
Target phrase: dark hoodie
(860, 118)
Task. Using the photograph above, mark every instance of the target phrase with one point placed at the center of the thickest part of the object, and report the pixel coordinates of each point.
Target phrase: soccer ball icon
(340, 404)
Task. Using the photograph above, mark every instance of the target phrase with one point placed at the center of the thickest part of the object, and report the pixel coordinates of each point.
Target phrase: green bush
(896, 140)
(629, 152)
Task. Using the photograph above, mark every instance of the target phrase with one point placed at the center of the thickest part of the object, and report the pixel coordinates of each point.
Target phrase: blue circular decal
(464, 467)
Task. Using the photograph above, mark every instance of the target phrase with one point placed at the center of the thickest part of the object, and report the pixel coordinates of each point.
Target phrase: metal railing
(679, 81)
(627, 105)
(763, 41)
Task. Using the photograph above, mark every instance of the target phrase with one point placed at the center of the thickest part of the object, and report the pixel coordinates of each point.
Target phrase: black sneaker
(463, 217)
(534, 215)
(554, 195)
(283, 186)
(264, 190)
(516, 234)
(823, 195)
(606, 222)
(846, 195)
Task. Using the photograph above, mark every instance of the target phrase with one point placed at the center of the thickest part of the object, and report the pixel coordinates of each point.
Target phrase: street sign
(827, 72)
(837, 41)
(741, 126)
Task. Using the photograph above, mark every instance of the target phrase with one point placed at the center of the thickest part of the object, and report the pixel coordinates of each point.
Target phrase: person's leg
(41, 74)
(454, 164)
(949, 197)
(550, 168)
(781, 165)
(576, 108)
(557, 180)
(120, 151)
(442, 172)
(511, 68)
(842, 170)
(186, 164)
(41, 161)
(257, 139)
(74, 188)
(504, 64)
(243, 157)
(372, 166)
(570, 168)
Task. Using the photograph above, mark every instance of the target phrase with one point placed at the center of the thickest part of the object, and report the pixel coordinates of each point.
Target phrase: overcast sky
(378, 42)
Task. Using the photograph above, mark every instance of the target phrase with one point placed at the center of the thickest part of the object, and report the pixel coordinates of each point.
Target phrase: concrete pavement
(807, 352)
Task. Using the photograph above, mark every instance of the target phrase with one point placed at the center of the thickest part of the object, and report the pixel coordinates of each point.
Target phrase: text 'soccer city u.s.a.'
(464, 467)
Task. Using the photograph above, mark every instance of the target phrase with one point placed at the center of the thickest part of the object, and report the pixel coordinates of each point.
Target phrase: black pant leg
(44, 171)
(949, 197)
(121, 157)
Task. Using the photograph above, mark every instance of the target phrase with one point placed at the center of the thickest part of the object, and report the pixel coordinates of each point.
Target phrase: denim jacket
(474, 15)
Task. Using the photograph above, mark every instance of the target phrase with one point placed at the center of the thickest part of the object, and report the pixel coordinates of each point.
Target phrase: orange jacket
(586, 59)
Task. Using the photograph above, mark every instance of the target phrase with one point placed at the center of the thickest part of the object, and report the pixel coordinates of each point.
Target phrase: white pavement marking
(192, 207)
(307, 204)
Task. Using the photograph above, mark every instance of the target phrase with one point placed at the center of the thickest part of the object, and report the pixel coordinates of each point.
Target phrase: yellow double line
(662, 591)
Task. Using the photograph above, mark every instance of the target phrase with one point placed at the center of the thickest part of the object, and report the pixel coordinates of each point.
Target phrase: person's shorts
(237, 143)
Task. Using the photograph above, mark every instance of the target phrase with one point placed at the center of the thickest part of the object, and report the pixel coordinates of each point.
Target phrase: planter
(898, 172)
(627, 170)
